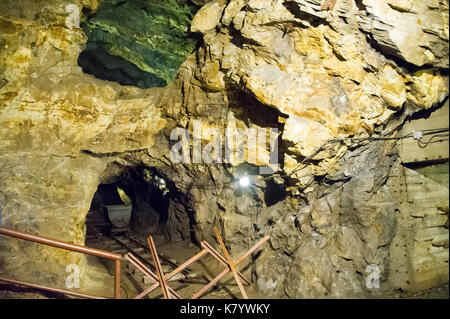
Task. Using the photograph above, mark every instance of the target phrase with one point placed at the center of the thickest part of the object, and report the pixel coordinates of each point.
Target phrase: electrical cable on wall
(441, 132)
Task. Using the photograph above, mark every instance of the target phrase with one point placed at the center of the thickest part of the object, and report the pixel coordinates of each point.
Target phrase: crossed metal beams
(160, 279)
(167, 291)
(226, 271)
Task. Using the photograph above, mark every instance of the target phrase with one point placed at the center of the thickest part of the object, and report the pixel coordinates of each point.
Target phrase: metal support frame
(230, 263)
(67, 246)
(160, 280)
(223, 273)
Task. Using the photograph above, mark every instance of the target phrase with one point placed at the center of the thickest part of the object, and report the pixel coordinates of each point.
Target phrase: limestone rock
(415, 31)
(310, 73)
(207, 17)
(326, 75)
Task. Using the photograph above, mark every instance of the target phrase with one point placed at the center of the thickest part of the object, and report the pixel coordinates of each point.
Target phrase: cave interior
(359, 189)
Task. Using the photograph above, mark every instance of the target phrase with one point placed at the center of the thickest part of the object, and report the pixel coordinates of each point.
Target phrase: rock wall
(349, 74)
(49, 111)
(150, 42)
(419, 250)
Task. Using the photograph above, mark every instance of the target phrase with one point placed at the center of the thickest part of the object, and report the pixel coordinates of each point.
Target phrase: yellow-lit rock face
(49, 105)
(50, 113)
(207, 17)
(410, 29)
(328, 76)
(426, 86)
(393, 89)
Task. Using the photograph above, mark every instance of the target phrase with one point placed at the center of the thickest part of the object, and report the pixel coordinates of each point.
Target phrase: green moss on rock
(151, 35)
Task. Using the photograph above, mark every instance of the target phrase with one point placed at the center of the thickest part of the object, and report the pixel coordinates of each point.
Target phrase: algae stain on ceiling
(138, 42)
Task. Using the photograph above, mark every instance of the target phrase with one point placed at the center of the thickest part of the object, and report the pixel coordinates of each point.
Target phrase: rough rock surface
(316, 75)
(151, 40)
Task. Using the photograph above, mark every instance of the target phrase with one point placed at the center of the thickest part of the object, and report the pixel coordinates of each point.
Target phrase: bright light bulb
(244, 181)
(162, 181)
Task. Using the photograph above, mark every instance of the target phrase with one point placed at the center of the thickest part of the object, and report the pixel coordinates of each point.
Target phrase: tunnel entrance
(148, 203)
(139, 202)
(110, 212)
(128, 208)
(143, 202)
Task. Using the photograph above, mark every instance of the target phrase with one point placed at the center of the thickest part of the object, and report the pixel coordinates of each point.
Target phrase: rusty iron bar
(164, 258)
(252, 250)
(223, 273)
(139, 265)
(68, 246)
(58, 244)
(135, 254)
(222, 260)
(230, 263)
(147, 291)
(55, 290)
(136, 263)
(117, 279)
(159, 271)
(186, 264)
(174, 272)
(210, 284)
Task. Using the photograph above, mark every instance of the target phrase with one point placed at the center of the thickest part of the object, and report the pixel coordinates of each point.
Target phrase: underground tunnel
(224, 149)
(139, 201)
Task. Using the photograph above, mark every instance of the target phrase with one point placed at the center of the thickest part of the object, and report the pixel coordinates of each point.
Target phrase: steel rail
(68, 246)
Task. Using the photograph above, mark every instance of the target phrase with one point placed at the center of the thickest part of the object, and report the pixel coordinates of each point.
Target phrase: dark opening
(274, 192)
(143, 202)
(136, 42)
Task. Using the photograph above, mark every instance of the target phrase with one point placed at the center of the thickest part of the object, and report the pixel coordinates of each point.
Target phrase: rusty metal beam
(55, 290)
(117, 279)
(230, 263)
(164, 258)
(159, 271)
(187, 263)
(173, 273)
(139, 265)
(71, 247)
(223, 273)
(222, 260)
(252, 250)
(210, 284)
(58, 244)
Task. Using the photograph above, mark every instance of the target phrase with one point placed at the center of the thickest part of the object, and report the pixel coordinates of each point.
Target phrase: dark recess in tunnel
(108, 67)
(274, 193)
(136, 42)
(154, 199)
